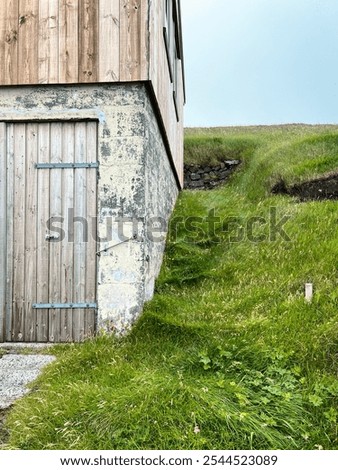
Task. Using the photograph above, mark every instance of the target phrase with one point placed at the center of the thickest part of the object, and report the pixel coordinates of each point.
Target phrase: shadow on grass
(4, 435)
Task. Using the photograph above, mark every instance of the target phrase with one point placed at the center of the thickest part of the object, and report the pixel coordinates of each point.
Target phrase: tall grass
(228, 355)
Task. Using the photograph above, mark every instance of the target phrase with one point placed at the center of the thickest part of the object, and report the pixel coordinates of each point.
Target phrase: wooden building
(91, 137)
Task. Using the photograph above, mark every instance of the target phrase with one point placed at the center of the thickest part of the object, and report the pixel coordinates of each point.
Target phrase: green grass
(228, 355)
(200, 150)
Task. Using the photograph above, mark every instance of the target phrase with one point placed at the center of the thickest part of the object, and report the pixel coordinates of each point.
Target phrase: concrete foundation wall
(136, 185)
(160, 196)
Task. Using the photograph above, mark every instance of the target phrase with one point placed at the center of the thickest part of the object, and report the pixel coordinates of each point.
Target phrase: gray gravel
(16, 372)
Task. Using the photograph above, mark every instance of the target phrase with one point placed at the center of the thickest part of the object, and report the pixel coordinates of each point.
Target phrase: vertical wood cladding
(73, 41)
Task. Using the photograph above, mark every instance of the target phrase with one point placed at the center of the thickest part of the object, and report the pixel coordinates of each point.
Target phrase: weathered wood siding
(34, 269)
(164, 84)
(3, 226)
(73, 41)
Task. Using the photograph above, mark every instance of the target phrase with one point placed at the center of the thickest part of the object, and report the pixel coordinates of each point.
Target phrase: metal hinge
(65, 166)
(64, 306)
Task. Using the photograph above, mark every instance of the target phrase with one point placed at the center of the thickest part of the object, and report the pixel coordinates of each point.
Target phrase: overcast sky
(260, 61)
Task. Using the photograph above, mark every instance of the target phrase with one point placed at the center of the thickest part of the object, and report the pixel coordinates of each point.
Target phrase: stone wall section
(207, 176)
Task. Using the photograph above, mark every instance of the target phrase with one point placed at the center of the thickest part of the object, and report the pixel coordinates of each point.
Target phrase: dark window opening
(173, 43)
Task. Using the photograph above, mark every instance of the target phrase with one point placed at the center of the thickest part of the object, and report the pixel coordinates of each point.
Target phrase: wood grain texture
(2, 43)
(48, 42)
(73, 41)
(55, 205)
(67, 261)
(69, 41)
(133, 40)
(42, 260)
(53, 20)
(30, 249)
(109, 41)
(91, 258)
(28, 41)
(9, 13)
(44, 51)
(10, 232)
(3, 224)
(19, 221)
(80, 230)
(88, 41)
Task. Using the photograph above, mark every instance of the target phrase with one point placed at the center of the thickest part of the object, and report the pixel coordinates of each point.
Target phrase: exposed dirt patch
(315, 190)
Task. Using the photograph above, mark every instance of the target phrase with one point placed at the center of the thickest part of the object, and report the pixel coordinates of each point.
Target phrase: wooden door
(48, 208)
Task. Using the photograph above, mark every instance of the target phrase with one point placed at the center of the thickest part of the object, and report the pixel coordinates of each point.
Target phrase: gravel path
(16, 372)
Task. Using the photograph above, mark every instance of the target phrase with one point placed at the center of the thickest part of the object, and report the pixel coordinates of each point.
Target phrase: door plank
(10, 232)
(18, 317)
(31, 232)
(80, 230)
(3, 223)
(68, 150)
(55, 246)
(91, 250)
(42, 284)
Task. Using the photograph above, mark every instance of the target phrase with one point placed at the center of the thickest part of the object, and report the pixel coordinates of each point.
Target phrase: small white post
(308, 292)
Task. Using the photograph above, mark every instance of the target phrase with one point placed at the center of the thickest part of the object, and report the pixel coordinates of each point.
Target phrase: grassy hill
(228, 355)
